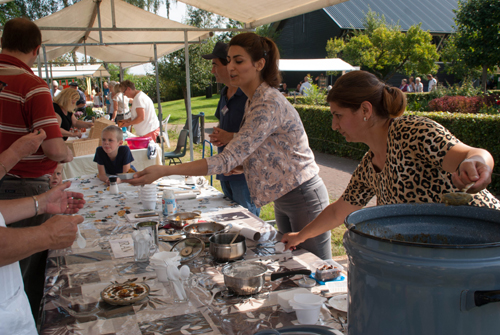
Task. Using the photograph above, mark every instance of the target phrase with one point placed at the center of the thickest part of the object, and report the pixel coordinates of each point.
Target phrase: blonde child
(112, 157)
(55, 178)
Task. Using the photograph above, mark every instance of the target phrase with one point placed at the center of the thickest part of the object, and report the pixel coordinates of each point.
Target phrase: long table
(75, 277)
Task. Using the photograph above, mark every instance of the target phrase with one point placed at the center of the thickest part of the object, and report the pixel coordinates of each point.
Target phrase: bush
(463, 104)
(477, 130)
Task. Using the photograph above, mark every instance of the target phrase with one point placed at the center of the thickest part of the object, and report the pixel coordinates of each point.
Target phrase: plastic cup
(149, 204)
(308, 316)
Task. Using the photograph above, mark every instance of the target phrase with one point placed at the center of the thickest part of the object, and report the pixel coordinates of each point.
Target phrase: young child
(55, 178)
(112, 157)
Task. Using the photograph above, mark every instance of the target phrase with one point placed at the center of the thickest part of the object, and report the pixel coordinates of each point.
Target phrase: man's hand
(220, 137)
(58, 201)
(28, 144)
(60, 231)
(149, 175)
(69, 156)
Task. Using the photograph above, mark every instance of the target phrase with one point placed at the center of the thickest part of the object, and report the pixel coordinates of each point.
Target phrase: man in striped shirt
(26, 106)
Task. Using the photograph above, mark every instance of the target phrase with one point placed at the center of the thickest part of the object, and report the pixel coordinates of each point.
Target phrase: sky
(177, 13)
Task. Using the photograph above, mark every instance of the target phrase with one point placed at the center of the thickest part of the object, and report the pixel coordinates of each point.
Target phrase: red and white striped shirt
(25, 105)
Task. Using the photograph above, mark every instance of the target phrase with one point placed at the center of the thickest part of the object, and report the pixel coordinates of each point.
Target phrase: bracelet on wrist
(35, 200)
(4, 168)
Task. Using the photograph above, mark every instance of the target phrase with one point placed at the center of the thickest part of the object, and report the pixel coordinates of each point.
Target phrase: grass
(177, 112)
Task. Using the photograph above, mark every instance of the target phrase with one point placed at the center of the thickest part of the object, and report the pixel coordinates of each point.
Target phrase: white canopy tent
(72, 71)
(325, 64)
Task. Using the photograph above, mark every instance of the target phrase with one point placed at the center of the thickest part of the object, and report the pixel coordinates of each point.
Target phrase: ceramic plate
(124, 294)
(339, 302)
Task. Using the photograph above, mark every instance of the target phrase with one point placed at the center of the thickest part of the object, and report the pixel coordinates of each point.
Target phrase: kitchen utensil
(126, 176)
(284, 297)
(125, 294)
(144, 245)
(245, 278)
(185, 272)
(411, 251)
(152, 226)
(203, 230)
(457, 198)
(174, 275)
(234, 238)
(181, 219)
(80, 240)
(223, 250)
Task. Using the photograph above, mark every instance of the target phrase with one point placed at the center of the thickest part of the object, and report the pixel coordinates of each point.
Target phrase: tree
(477, 38)
(384, 50)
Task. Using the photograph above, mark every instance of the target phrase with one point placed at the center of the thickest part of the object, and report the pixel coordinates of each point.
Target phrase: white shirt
(150, 123)
(15, 311)
(432, 83)
(419, 88)
(122, 101)
(303, 87)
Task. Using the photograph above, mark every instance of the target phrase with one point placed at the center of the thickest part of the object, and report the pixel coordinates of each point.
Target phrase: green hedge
(477, 130)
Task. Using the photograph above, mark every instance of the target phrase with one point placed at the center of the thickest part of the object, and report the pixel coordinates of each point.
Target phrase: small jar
(113, 186)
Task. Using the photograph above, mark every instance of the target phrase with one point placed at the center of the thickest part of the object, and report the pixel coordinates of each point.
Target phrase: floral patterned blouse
(272, 146)
(413, 168)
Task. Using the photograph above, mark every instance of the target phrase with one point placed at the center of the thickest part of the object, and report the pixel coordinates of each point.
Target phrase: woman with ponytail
(271, 147)
(411, 159)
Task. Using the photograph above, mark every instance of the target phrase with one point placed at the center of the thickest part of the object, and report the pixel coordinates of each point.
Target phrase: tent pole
(188, 93)
(99, 17)
(39, 66)
(160, 115)
(113, 19)
(46, 67)
(121, 72)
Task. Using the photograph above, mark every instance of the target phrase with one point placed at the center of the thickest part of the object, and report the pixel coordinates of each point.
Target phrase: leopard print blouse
(412, 172)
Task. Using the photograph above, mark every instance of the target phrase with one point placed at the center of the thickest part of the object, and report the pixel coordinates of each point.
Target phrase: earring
(365, 119)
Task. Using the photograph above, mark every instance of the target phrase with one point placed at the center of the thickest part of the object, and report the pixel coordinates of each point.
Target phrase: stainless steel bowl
(203, 230)
(222, 251)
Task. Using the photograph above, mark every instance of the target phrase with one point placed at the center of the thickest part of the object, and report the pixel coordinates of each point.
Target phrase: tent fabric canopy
(79, 71)
(326, 64)
(84, 14)
(258, 12)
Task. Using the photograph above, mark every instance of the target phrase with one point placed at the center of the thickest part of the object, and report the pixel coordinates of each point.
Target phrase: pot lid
(189, 248)
(428, 225)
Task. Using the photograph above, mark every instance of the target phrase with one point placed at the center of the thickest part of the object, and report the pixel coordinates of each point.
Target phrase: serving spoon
(457, 198)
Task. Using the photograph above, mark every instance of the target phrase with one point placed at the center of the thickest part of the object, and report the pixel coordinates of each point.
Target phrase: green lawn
(177, 109)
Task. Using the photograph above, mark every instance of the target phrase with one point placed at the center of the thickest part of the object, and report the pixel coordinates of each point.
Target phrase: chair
(165, 132)
(180, 150)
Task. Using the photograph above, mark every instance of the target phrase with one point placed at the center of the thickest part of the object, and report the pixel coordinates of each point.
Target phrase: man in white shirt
(432, 82)
(144, 118)
(305, 86)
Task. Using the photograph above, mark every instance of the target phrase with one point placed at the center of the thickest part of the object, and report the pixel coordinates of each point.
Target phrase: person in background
(283, 89)
(144, 118)
(82, 101)
(404, 86)
(112, 157)
(63, 104)
(411, 159)
(97, 97)
(120, 105)
(105, 92)
(271, 147)
(230, 111)
(56, 233)
(55, 88)
(305, 86)
(26, 106)
(411, 86)
(419, 87)
(432, 82)
(55, 178)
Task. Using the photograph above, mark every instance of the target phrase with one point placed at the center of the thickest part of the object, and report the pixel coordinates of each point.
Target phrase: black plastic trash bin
(208, 92)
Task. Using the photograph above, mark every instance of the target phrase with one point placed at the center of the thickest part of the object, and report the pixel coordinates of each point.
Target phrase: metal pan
(181, 219)
(203, 230)
(246, 278)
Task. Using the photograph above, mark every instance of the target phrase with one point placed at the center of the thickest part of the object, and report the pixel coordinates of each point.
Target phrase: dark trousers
(32, 267)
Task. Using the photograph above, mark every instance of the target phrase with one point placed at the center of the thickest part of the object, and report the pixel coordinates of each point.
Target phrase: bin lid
(429, 225)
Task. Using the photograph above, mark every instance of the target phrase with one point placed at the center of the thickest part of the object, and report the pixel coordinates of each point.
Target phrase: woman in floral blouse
(271, 147)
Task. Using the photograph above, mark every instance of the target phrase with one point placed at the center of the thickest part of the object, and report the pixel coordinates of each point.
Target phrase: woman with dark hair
(271, 147)
(411, 159)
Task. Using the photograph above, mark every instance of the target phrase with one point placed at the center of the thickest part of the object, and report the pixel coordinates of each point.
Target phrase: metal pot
(222, 251)
(181, 219)
(245, 278)
(423, 269)
(203, 230)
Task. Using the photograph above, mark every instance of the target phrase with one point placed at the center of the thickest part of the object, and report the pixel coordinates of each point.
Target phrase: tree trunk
(484, 79)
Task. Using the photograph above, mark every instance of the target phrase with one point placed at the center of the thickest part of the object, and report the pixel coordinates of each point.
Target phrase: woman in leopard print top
(411, 159)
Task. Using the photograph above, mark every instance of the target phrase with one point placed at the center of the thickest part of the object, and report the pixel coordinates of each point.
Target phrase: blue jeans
(237, 190)
(297, 208)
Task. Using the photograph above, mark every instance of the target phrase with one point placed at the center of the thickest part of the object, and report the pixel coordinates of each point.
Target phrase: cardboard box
(83, 147)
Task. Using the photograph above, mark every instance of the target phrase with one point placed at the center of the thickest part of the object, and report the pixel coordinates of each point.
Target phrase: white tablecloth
(85, 165)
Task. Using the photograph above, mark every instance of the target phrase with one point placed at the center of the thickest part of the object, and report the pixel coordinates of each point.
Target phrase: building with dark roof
(305, 36)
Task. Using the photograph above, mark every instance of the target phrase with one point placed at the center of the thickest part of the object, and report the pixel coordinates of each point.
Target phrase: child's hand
(118, 180)
(107, 181)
